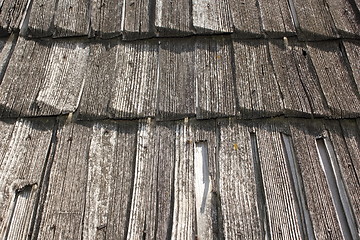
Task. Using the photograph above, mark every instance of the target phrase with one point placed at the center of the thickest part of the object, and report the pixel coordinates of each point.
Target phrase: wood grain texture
(335, 79)
(315, 21)
(246, 18)
(7, 49)
(255, 81)
(106, 17)
(241, 211)
(12, 13)
(72, 18)
(276, 18)
(352, 49)
(138, 19)
(176, 88)
(41, 21)
(23, 151)
(173, 18)
(211, 16)
(318, 197)
(214, 78)
(51, 86)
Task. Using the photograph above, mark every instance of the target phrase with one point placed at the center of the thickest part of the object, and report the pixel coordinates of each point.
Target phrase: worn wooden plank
(214, 78)
(23, 151)
(345, 17)
(110, 179)
(51, 86)
(7, 47)
(41, 21)
(280, 198)
(331, 68)
(242, 213)
(106, 17)
(176, 88)
(138, 19)
(11, 15)
(246, 18)
(295, 98)
(352, 49)
(255, 81)
(122, 81)
(276, 18)
(314, 19)
(65, 199)
(318, 197)
(151, 205)
(211, 16)
(173, 18)
(72, 18)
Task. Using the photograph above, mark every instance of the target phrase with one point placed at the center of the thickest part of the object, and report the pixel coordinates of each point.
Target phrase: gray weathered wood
(346, 20)
(11, 15)
(176, 88)
(318, 197)
(138, 19)
(214, 78)
(41, 21)
(72, 18)
(315, 21)
(352, 49)
(246, 18)
(23, 154)
(7, 48)
(335, 79)
(256, 87)
(279, 195)
(106, 17)
(211, 16)
(276, 18)
(173, 18)
(241, 213)
(51, 86)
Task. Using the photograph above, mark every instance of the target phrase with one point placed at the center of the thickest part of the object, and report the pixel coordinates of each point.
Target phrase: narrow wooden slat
(176, 88)
(52, 86)
(345, 18)
(315, 21)
(106, 17)
(276, 18)
(72, 18)
(255, 80)
(331, 68)
(11, 14)
(214, 78)
(173, 18)
(211, 16)
(237, 183)
(318, 197)
(109, 181)
(41, 21)
(23, 152)
(138, 19)
(65, 201)
(279, 195)
(352, 49)
(295, 98)
(246, 18)
(151, 206)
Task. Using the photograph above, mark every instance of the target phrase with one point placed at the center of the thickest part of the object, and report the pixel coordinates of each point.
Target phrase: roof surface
(179, 119)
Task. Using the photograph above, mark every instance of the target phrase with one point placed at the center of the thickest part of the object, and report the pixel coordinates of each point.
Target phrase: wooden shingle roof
(200, 119)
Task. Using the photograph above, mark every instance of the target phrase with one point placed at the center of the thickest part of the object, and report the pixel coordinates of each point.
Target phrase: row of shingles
(24, 149)
(207, 77)
(12, 13)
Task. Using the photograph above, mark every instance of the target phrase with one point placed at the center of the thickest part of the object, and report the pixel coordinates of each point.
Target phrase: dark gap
(293, 14)
(261, 199)
(333, 179)
(13, 39)
(44, 185)
(24, 192)
(25, 21)
(233, 66)
(307, 230)
(144, 230)
(304, 53)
